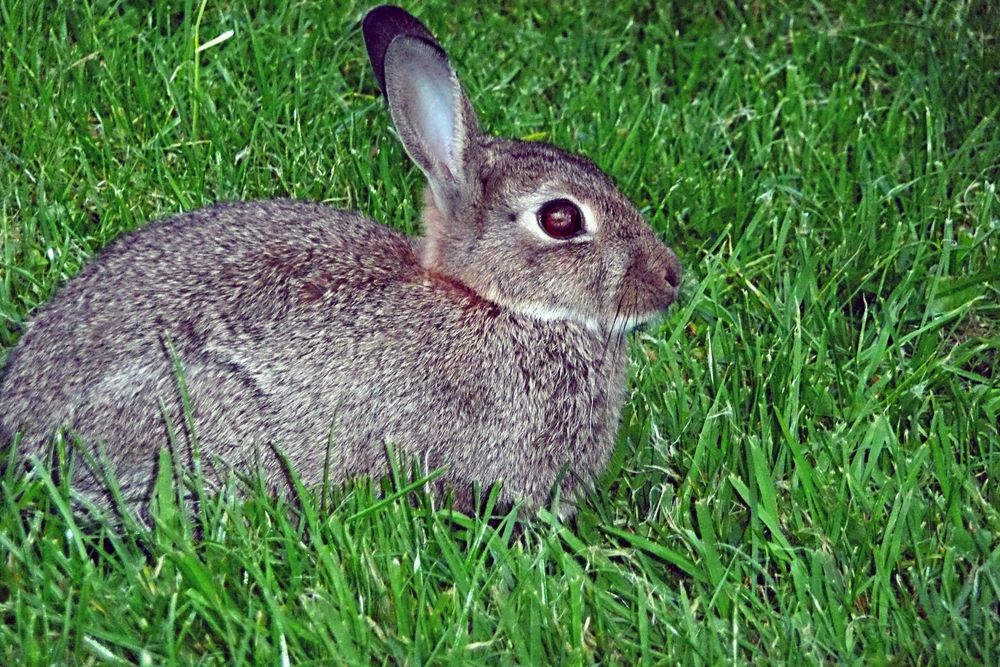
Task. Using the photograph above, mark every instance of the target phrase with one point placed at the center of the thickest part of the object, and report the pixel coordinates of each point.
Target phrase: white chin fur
(550, 314)
(626, 324)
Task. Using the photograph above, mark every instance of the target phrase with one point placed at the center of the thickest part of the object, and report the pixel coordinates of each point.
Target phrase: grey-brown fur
(482, 348)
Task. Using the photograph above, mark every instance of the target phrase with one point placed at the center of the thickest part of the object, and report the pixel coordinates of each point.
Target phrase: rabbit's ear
(431, 113)
(382, 25)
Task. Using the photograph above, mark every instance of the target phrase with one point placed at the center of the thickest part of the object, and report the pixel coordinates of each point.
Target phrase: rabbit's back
(211, 283)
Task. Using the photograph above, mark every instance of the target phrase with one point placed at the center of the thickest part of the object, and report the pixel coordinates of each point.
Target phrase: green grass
(808, 464)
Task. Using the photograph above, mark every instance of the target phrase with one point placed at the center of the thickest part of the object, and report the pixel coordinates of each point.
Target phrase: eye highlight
(560, 218)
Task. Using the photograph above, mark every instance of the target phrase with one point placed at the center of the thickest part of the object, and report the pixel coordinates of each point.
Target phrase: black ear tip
(381, 15)
(383, 24)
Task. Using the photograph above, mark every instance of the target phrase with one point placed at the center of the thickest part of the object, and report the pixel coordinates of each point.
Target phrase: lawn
(808, 465)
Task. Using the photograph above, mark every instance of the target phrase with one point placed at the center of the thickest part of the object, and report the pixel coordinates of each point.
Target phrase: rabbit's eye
(560, 219)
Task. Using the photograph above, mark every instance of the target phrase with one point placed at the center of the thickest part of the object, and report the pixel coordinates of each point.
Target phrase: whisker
(611, 329)
(623, 332)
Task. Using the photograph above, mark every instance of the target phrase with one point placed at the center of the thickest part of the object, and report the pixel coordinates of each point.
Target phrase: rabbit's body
(279, 322)
(491, 347)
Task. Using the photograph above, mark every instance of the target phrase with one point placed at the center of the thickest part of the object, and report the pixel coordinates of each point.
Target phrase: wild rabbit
(491, 347)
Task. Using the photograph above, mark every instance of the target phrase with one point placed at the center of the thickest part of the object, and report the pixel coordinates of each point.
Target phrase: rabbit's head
(523, 224)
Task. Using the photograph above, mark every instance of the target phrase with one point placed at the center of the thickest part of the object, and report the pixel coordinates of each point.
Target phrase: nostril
(672, 269)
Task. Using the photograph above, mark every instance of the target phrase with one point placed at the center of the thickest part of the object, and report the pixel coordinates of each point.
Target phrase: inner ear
(428, 109)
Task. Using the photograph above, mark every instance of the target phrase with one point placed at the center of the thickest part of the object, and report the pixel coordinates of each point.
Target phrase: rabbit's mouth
(644, 302)
(650, 286)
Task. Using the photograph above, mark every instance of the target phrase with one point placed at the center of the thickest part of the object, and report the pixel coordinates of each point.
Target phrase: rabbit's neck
(431, 249)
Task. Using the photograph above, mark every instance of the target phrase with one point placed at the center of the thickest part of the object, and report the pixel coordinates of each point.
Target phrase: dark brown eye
(560, 219)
